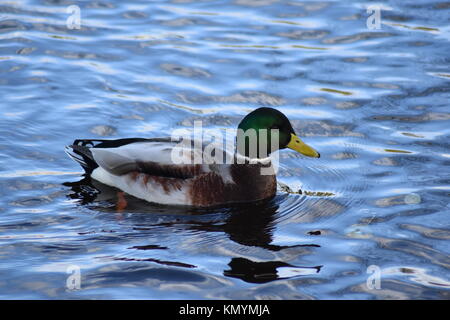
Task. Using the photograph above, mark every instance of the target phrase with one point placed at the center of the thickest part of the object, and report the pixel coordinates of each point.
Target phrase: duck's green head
(263, 128)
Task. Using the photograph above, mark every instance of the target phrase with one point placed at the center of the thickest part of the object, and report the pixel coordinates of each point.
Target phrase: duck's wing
(151, 156)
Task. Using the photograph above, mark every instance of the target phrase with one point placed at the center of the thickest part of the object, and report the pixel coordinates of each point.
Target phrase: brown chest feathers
(248, 185)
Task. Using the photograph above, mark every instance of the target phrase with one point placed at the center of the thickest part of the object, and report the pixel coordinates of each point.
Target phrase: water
(373, 102)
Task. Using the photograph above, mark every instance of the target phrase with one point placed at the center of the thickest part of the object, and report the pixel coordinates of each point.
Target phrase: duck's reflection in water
(251, 225)
(261, 272)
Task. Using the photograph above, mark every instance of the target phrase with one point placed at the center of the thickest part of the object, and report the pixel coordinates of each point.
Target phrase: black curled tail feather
(79, 151)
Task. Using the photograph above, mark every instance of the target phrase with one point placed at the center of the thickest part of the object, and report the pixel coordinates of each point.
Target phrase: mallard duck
(146, 169)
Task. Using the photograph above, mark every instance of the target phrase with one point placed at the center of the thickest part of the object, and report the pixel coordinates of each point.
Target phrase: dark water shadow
(251, 225)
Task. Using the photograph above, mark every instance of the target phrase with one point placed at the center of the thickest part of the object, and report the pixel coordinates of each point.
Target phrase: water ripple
(373, 102)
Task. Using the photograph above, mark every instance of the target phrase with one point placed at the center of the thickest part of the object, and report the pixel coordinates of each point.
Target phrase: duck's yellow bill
(298, 145)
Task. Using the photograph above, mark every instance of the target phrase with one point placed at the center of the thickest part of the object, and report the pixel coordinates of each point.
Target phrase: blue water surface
(372, 98)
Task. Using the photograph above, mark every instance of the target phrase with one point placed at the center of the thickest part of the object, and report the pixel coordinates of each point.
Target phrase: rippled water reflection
(373, 102)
